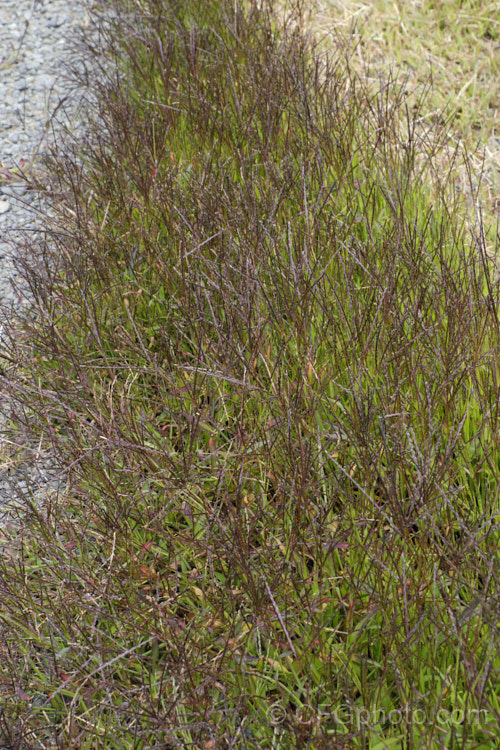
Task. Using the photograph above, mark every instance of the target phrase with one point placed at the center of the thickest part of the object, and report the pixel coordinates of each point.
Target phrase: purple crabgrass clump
(264, 360)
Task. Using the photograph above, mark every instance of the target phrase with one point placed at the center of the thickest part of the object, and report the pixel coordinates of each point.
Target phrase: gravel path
(34, 50)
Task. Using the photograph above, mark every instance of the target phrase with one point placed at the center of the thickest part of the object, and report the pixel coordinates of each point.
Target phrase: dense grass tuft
(263, 355)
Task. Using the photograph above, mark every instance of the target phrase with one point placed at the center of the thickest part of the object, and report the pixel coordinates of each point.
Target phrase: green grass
(263, 354)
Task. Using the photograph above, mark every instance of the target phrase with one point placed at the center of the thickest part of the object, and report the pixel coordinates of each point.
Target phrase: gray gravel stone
(33, 56)
(15, 190)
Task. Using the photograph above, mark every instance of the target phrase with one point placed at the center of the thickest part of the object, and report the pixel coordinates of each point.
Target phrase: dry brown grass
(451, 52)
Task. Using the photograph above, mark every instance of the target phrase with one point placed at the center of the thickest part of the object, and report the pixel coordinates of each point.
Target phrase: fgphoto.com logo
(358, 718)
